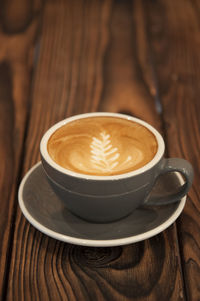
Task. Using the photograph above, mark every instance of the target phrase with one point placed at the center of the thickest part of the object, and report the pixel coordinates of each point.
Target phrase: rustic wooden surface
(175, 38)
(59, 58)
(19, 23)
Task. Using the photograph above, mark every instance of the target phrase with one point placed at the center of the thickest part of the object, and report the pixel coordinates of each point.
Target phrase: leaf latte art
(102, 146)
(104, 155)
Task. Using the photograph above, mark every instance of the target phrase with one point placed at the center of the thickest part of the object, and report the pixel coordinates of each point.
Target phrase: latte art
(102, 146)
(105, 157)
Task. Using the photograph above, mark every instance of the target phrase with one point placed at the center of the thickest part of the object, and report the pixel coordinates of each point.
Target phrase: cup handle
(171, 165)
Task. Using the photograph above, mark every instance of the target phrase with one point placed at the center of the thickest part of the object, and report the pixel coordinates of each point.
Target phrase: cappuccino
(102, 146)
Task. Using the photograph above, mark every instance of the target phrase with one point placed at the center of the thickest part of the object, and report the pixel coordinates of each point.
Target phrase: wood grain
(174, 34)
(82, 50)
(129, 85)
(17, 36)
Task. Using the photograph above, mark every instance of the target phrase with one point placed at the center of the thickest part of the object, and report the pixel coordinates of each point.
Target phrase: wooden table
(60, 58)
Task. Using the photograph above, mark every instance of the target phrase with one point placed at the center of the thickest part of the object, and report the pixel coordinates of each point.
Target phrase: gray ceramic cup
(109, 198)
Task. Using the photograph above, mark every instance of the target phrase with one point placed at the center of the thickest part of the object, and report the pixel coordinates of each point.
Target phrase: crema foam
(102, 146)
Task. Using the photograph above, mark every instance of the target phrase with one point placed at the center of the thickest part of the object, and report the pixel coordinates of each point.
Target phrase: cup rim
(53, 164)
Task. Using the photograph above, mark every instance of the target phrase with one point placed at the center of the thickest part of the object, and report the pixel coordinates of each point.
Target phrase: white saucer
(46, 212)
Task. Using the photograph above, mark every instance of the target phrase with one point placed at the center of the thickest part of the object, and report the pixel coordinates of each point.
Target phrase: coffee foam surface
(102, 146)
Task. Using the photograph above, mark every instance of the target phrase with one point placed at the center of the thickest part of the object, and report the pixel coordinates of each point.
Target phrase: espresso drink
(102, 146)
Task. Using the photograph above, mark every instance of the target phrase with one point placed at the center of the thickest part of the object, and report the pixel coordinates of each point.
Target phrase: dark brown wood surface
(60, 58)
(174, 38)
(19, 23)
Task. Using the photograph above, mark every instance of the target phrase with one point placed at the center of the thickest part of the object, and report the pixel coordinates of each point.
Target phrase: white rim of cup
(52, 163)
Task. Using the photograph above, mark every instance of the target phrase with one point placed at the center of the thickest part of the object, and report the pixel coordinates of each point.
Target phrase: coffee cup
(104, 165)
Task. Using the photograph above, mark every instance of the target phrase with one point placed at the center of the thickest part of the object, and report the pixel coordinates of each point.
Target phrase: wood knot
(97, 257)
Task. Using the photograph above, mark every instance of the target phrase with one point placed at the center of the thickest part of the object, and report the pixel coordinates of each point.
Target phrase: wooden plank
(82, 50)
(174, 34)
(18, 29)
(129, 85)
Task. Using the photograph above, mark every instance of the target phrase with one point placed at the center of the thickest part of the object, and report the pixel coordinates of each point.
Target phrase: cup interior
(53, 164)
